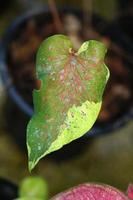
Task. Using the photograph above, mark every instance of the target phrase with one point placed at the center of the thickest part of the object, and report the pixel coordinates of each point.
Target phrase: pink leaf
(130, 191)
(91, 192)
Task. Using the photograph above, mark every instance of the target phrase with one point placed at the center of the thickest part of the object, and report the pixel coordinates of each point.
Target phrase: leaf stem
(56, 17)
(87, 13)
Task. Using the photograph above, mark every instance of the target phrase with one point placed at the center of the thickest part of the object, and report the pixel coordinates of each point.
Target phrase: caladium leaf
(90, 191)
(130, 191)
(69, 99)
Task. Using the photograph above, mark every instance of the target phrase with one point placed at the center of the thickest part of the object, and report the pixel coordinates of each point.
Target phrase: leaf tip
(31, 165)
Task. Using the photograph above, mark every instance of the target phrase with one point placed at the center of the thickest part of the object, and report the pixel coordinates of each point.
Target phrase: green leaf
(69, 99)
(33, 187)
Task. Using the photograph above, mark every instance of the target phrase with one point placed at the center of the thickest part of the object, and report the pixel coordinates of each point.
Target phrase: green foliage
(34, 188)
(69, 99)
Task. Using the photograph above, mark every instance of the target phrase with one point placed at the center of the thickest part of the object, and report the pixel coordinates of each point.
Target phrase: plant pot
(125, 21)
(19, 76)
(8, 190)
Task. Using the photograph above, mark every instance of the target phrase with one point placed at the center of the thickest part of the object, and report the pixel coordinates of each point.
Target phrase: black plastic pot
(125, 22)
(20, 109)
(8, 190)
